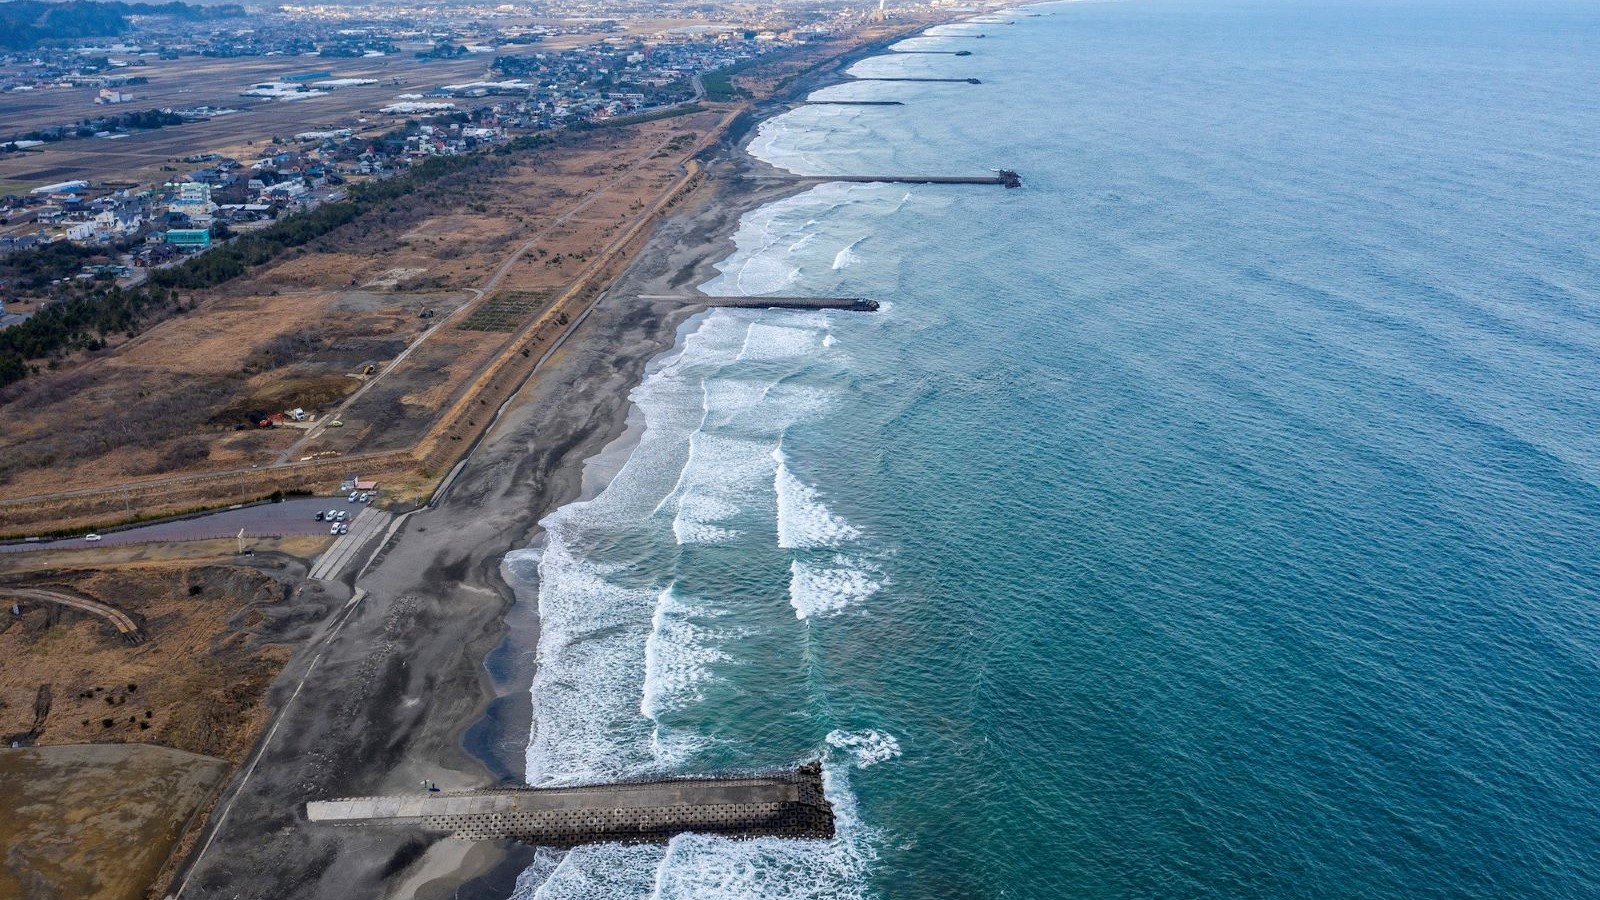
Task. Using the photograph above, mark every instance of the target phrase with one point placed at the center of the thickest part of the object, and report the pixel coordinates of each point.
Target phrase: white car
(353, 496)
(343, 515)
(91, 537)
(343, 528)
(334, 528)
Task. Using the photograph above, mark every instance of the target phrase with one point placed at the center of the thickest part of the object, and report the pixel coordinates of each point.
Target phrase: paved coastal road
(291, 517)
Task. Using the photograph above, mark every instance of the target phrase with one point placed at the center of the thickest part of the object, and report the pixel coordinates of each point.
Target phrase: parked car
(334, 528)
(353, 496)
(321, 515)
(91, 536)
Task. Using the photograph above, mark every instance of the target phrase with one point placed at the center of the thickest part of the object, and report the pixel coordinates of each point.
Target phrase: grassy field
(96, 821)
(292, 333)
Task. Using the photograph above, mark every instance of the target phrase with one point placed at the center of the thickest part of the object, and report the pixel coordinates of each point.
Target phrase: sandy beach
(399, 694)
(423, 676)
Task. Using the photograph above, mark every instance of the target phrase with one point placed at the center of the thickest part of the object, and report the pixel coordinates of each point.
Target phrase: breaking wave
(820, 590)
(804, 521)
(866, 748)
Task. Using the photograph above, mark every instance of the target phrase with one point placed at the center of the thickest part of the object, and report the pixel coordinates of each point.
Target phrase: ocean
(1214, 516)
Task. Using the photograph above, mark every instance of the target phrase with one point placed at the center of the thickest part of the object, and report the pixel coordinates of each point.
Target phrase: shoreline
(499, 738)
(423, 676)
(680, 255)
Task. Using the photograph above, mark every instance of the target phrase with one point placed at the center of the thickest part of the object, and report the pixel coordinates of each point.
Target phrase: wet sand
(399, 693)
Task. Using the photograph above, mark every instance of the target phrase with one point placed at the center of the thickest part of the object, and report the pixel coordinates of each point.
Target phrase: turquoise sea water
(1215, 516)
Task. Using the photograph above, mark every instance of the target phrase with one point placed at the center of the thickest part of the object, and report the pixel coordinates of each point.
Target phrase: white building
(193, 199)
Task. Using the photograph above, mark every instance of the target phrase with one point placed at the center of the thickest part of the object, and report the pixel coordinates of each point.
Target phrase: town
(376, 89)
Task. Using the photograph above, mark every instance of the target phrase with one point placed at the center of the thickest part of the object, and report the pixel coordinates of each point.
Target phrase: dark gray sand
(426, 679)
(398, 695)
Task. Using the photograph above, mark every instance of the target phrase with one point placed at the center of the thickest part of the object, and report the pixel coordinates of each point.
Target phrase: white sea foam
(599, 872)
(813, 238)
(626, 651)
(866, 748)
(529, 880)
(596, 618)
(588, 680)
(720, 472)
(779, 342)
(820, 590)
(727, 398)
(678, 657)
(804, 521)
(846, 256)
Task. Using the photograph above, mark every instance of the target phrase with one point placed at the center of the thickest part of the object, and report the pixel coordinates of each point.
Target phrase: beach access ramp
(785, 804)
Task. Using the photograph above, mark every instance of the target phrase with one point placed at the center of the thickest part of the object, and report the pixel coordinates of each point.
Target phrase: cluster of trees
(32, 270)
(515, 66)
(147, 120)
(80, 322)
(720, 87)
(443, 50)
(25, 24)
(229, 261)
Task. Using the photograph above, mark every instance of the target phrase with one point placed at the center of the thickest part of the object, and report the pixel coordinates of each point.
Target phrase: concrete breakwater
(786, 804)
(855, 103)
(944, 80)
(848, 304)
(1005, 177)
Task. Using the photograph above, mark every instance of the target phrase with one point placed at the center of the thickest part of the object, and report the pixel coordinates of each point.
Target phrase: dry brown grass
(195, 685)
(525, 225)
(289, 335)
(96, 821)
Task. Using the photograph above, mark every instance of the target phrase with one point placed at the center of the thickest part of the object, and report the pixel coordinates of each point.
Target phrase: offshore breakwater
(1193, 540)
(841, 304)
(918, 79)
(1242, 459)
